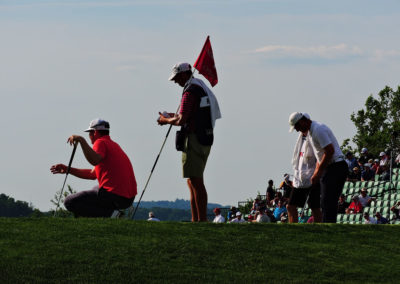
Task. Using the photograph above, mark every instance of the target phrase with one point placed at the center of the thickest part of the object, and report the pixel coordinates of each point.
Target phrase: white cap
(381, 154)
(98, 124)
(238, 213)
(363, 150)
(295, 117)
(179, 68)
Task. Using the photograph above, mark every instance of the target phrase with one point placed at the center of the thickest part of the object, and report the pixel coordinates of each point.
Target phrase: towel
(215, 111)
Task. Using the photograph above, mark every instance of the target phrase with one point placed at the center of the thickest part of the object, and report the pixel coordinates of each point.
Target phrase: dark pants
(332, 182)
(95, 203)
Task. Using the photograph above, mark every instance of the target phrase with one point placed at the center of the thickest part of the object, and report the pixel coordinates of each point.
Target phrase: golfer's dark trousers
(96, 202)
(332, 183)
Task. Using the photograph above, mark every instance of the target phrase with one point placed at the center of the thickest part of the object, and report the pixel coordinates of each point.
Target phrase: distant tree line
(9, 207)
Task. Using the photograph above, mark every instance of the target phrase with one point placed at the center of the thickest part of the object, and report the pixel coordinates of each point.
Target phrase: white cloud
(321, 51)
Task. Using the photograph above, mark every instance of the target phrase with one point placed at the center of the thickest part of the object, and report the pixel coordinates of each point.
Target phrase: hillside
(121, 251)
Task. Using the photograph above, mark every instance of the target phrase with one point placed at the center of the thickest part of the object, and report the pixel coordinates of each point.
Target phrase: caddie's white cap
(295, 117)
(238, 213)
(178, 68)
(98, 124)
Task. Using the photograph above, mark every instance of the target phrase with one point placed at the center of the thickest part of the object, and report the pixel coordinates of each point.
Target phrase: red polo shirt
(114, 172)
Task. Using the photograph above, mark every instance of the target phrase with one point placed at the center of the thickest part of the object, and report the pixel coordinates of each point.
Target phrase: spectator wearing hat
(331, 170)
(367, 174)
(198, 111)
(375, 166)
(355, 206)
(113, 170)
(384, 159)
(380, 219)
(351, 161)
(354, 175)
(262, 217)
(238, 218)
(365, 156)
(232, 213)
(286, 185)
(364, 198)
(368, 219)
(218, 217)
(152, 217)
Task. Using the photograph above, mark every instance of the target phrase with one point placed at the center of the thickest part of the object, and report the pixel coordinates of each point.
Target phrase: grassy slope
(83, 250)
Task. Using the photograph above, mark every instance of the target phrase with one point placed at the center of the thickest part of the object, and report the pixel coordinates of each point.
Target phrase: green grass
(121, 251)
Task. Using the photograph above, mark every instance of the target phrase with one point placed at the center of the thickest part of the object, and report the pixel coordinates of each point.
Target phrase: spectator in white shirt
(218, 217)
(368, 219)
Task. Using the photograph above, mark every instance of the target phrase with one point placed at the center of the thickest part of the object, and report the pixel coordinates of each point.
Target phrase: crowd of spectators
(368, 168)
(274, 207)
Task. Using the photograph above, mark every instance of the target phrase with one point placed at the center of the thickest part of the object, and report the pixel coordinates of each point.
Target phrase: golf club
(66, 175)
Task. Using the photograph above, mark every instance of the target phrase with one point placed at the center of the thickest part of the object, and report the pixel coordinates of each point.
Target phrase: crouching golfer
(112, 168)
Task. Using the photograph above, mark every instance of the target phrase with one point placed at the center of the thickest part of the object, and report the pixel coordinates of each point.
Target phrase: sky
(64, 63)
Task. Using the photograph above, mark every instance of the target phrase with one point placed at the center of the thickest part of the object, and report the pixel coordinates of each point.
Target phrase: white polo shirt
(322, 136)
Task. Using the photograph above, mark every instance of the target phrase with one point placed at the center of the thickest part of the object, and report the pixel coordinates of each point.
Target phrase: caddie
(198, 111)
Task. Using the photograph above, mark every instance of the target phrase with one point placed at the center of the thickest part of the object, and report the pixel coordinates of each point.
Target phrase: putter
(66, 175)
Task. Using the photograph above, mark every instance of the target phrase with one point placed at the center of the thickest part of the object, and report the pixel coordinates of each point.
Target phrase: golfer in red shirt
(112, 168)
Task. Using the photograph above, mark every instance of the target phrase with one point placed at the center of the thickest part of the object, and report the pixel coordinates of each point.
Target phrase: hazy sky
(63, 63)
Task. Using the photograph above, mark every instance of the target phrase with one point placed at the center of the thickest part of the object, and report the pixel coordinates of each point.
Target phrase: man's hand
(58, 169)
(162, 118)
(74, 138)
(315, 178)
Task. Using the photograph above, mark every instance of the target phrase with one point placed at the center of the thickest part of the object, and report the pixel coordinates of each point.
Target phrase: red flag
(205, 63)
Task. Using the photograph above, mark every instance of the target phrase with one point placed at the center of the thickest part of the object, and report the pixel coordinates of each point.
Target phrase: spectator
(396, 210)
(278, 197)
(232, 213)
(367, 174)
(152, 217)
(286, 186)
(368, 219)
(397, 161)
(375, 166)
(384, 159)
(365, 199)
(262, 217)
(238, 218)
(218, 217)
(365, 156)
(256, 206)
(385, 175)
(355, 206)
(351, 161)
(303, 218)
(380, 219)
(342, 204)
(355, 175)
(279, 210)
(270, 214)
(310, 220)
(270, 194)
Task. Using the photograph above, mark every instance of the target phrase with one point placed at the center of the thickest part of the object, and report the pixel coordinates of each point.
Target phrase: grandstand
(387, 193)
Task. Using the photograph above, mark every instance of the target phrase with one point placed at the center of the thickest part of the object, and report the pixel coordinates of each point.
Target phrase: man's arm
(177, 119)
(91, 156)
(80, 173)
(326, 158)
